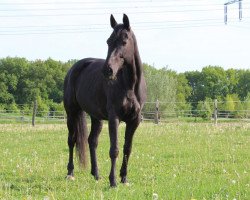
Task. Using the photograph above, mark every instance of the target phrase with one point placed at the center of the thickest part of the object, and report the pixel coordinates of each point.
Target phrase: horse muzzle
(108, 73)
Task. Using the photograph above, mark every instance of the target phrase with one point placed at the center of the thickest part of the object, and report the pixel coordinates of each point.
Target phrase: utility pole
(232, 2)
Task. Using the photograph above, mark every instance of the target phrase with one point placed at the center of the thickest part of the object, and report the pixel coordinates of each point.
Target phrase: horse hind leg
(71, 144)
(96, 127)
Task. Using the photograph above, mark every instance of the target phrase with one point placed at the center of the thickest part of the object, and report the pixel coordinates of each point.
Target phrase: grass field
(168, 161)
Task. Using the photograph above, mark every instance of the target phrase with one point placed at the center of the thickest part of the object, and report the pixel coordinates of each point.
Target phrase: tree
(197, 88)
(11, 69)
(233, 79)
(215, 82)
(204, 108)
(161, 85)
(183, 92)
(233, 106)
(229, 105)
(22, 81)
(243, 87)
(5, 96)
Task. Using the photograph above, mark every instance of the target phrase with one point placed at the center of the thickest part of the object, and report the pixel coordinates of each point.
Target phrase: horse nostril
(110, 71)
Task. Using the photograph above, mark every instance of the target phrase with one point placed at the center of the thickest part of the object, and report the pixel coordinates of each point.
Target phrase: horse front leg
(130, 130)
(114, 150)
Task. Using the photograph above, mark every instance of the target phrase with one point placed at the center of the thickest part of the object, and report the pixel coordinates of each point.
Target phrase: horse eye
(124, 36)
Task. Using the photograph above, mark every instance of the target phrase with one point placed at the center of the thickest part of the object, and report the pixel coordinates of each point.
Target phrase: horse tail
(81, 133)
(74, 111)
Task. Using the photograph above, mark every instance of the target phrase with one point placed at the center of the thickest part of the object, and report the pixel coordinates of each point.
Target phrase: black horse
(113, 89)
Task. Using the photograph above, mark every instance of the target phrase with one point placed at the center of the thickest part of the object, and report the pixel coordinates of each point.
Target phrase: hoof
(70, 177)
(113, 185)
(126, 184)
(96, 177)
(124, 181)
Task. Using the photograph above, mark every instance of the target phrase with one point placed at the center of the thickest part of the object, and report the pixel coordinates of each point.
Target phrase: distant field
(168, 161)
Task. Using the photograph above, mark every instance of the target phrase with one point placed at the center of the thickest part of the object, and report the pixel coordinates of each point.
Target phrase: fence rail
(41, 117)
(153, 111)
(211, 110)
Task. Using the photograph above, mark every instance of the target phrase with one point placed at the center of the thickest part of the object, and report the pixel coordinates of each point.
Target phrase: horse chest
(129, 108)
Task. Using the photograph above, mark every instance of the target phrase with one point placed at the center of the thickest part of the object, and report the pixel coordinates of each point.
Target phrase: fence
(40, 117)
(171, 111)
(156, 112)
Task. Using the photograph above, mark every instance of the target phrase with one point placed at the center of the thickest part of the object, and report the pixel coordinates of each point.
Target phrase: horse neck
(133, 71)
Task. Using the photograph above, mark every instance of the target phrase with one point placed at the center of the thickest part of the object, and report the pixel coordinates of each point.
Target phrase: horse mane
(138, 64)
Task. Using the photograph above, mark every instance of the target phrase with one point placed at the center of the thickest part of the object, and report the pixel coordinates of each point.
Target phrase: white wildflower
(155, 196)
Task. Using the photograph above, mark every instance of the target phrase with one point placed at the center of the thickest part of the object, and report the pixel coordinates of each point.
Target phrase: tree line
(22, 81)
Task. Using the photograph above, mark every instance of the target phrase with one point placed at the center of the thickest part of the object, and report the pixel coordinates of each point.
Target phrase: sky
(182, 35)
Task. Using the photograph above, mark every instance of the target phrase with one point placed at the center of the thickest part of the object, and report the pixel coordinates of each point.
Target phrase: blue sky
(182, 35)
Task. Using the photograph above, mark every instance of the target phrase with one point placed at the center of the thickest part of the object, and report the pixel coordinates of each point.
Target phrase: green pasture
(169, 161)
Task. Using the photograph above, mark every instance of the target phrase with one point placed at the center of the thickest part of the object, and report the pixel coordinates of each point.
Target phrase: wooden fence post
(215, 111)
(34, 112)
(22, 116)
(157, 111)
(64, 116)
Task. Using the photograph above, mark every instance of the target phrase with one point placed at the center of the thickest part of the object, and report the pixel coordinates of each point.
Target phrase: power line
(75, 31)
(135, 23)
(80, 28)
(104, 2)
(147, 24)
(92, 2)
(69, 29)
(84, 14)
(73, 2)
(103, 8)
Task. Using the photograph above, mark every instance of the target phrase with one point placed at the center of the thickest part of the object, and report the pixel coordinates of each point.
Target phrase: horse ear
(126, 22)
(113, 23)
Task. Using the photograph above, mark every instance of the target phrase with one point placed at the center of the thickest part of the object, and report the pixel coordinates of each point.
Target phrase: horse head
(120, 48)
